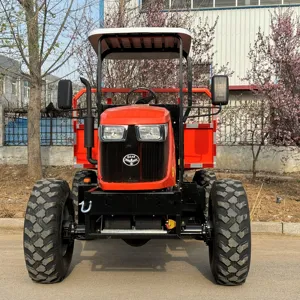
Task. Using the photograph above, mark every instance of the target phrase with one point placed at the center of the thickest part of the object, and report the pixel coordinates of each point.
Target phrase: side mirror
(65, 94)
(220, 90)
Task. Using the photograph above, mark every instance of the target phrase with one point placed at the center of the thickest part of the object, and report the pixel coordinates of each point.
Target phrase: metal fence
(56, 130)
(240, 123)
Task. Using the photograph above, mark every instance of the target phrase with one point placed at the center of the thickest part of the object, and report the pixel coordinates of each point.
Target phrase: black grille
(153, 160)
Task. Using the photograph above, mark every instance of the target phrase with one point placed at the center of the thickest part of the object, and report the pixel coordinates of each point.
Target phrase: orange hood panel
(135, 115)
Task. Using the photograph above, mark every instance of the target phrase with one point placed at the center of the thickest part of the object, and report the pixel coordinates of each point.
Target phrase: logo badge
(131, 160)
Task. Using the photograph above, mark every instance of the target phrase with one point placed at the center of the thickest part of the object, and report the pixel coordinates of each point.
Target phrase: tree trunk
(254, 168)
(34, 107)
(34, 148)
(255, 157)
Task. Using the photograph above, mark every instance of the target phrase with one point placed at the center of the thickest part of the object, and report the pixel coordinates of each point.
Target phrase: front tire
(206, 179)
(78, 180)
(230, 245)
(47, 253)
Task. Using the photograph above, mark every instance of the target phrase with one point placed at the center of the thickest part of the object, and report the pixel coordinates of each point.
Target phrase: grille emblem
(131, 160)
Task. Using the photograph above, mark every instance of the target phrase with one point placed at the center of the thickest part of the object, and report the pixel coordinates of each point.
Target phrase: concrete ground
(173, 269)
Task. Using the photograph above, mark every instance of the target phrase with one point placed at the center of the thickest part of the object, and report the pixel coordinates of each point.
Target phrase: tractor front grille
(153, 160)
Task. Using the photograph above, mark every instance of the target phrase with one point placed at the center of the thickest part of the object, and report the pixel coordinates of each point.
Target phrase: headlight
(152, 133)
(113, 133)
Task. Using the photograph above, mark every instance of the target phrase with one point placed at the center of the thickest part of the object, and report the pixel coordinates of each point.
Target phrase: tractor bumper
(154, 203)
(139, 215)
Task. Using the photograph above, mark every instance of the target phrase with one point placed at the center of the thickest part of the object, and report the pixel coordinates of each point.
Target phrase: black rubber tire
(135, 242)
(205, 179)
(47, 254)
(77, 180)
(230, 246)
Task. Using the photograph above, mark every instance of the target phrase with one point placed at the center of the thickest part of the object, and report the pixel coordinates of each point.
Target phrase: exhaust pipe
(89, 121)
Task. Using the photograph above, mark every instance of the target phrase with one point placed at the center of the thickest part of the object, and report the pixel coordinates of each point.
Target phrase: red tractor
(133, 185)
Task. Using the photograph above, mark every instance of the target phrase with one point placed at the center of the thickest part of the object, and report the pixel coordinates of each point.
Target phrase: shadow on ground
(116, 255)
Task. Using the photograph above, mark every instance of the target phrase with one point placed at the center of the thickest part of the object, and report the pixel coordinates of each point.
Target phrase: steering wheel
(145, 100)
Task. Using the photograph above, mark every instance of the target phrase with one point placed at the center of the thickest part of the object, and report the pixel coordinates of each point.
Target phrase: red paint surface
(199, 146)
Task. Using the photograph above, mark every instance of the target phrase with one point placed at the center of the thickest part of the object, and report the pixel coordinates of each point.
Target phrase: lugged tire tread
(230, 252)
(205, 178)
(77, 180)
(41, 230)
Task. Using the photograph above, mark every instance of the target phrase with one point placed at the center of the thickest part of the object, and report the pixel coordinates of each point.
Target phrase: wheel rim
(66, 243)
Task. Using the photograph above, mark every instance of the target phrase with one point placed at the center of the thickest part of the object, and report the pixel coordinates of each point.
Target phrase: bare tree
(41, 34)
(245, 122)
(275, 73)
(272, 116)
(145, 72)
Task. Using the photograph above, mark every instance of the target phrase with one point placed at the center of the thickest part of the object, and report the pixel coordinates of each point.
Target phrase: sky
(54, 20)
(70, 66)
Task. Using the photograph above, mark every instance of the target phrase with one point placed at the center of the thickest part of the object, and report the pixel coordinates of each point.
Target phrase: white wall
(271, 159)
(51, 156)
(235, 32)
(228, 157)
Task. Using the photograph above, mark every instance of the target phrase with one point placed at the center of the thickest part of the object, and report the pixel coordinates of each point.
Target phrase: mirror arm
(208, 115)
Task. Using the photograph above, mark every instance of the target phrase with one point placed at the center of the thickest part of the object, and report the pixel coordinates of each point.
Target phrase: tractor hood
(135, 115)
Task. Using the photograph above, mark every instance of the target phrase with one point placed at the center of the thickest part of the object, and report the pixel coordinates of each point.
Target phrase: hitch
(82, 204)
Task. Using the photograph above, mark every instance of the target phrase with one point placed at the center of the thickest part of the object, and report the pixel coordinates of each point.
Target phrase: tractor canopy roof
(141, 43)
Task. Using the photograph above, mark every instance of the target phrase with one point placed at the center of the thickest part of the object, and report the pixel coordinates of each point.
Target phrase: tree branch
(49, 71)
(44, 29)
(21, 50)
(58, 34)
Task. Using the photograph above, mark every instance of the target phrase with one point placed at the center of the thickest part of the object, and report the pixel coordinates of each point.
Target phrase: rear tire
(47, 254)
(230, 246)
(205, 179)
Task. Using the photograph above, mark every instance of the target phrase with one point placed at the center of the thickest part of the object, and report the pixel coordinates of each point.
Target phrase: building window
(271, 2)
(247, 2)
(1, 84)
(146, 3)
(225, 3)
(184, 4)
(201, 3)
(26, 89)
(187, 4)
(14, 87)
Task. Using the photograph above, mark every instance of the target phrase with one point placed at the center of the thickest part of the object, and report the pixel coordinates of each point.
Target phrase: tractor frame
(133, 187)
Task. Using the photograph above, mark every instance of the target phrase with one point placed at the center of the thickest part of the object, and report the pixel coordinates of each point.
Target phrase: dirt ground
(15, 188)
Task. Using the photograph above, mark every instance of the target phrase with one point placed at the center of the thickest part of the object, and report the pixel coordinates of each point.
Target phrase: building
(15, 86)
(238, 24)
